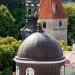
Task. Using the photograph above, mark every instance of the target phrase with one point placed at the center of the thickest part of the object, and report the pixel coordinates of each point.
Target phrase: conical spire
(51, 9)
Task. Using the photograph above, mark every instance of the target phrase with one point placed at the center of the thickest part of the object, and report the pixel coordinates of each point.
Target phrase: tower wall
(55, 27)
(31, 15)
(32, 7)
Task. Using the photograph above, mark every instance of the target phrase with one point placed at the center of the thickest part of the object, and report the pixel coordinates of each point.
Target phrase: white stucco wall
(53, 28)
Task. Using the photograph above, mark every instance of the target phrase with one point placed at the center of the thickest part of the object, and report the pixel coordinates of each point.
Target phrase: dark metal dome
(40, 47)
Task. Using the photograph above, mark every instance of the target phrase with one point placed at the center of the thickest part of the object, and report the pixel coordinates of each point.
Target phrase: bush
(70, 10)
(64, 46)
(7, 23)
(8, 49)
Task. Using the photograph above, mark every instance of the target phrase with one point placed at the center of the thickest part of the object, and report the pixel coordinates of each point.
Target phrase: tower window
(60, 23)
(29, 11)
(44, 24)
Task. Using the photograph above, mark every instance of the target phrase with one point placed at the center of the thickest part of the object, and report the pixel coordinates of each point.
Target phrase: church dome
(40, 47)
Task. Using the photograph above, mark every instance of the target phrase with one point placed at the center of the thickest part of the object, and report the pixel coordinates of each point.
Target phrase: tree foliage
(70, 10)
(19, 13)
(7, 23)
(8, 49)
(10, 25)
(11, 3)
(65, 46)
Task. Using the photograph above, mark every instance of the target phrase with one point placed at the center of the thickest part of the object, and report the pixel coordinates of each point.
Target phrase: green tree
(19, 13)
(7, 23)
(70, 10)
(8, 49)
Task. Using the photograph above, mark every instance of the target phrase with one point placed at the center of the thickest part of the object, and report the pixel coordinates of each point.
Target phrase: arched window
(62, 70)
(29, 71)
(17, 70)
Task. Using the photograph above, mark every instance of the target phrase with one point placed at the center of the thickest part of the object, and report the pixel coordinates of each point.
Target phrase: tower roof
(40, 47)
(51, 9)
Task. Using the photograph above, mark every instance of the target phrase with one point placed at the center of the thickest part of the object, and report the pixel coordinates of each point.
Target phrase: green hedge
(70, 10)
(8, 50)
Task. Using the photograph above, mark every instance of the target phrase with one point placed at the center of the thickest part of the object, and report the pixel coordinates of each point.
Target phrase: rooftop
(40, 47)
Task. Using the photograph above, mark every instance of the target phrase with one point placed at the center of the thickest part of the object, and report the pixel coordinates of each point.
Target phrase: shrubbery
(8, 49)
(64, 46)
(70, 10)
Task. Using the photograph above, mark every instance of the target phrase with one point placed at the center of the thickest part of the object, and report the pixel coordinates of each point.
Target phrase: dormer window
(54, 7)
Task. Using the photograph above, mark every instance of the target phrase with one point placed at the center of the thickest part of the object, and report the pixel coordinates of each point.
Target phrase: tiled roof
(46, 12)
